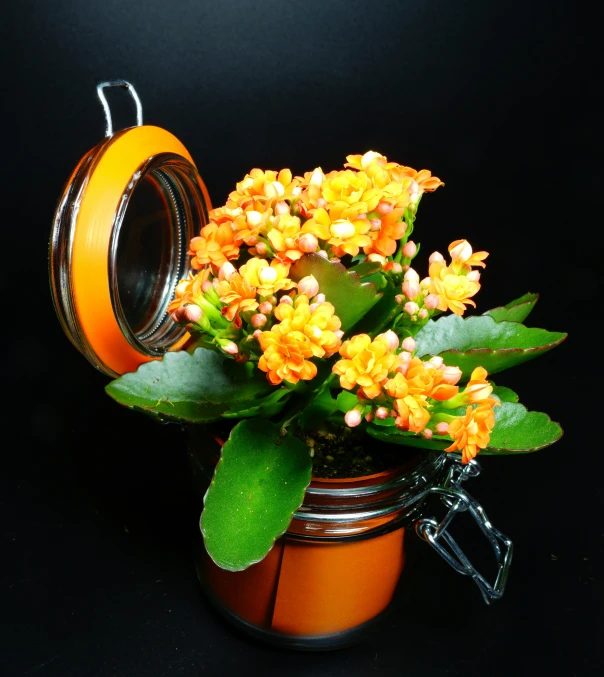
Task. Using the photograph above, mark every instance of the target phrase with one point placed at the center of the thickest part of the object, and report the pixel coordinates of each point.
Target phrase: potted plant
(335, 379)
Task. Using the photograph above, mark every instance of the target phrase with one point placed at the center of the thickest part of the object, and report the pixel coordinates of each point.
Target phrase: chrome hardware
(101, 94)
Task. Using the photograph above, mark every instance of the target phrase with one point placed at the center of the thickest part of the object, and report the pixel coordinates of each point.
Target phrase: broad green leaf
(481, 341)
(504, 394)
(258, 484)
(366, 268)
(396, 436)
(344, 289)
(266, 407)
(381, 315)
(518, 430)
(318, 410)
(346, 401)
(195, 388)
(514, 311)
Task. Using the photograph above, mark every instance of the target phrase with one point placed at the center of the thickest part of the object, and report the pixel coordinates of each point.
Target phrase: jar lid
(119, 243)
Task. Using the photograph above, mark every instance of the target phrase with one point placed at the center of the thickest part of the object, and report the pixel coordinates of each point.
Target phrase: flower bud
(317, 177)
(411, 308)
(437, 361)
(399, 298)
(253, 218)
(431, 301)
(442, 428)
(308, 285)
(323, 253)
(181, 288)
(411, 275)
(192, 313)
(178, 315)
(384, 208)
(411, 289)
(339, 333)
(261, 249)
(376, 224)
(206, 286)
(267, 275)
(287, 300)
(394, 266)
(382, 413)
(426, 433)
(409, 344)
(369, 417)
(258, 320)
(227, 269)
(281, 207)
(451, 375)
(360, 217)
(265, 308)
(461, 252)
(405, 357)
(410, 249)
(436, 256)
(319, 298)
(307, 243)
(257, 334)
(321, 202)
(423, 314)
(352, 418)
(230, 348)
(474, 275)
(391, 338)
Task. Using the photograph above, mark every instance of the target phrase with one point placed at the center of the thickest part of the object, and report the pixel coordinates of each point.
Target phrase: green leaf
(366, 268)
(346, 401)
(405, 438)
(318, 410)
(504, 394)
(518, 430)
(195, 388)
(258, 484)
(266, 407)
(344, 289)
(382, 313)
(481, 341)
(514, 311)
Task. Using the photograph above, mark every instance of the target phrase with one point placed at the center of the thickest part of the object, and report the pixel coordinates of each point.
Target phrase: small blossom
(309, 286)
(411, 289)
(382, 413)
(258, 320)
(411, 308)
(409, 344)
(265, 307)
(442, 428)
(352, 418)
(409, 249)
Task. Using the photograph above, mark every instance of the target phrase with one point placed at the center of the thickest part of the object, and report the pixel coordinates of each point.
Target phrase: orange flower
(472, 432)
(423, 178)
(413, 414)
(462, 257)
(285, 355)
(391, 230)
(214, 246)
(423, 378)
(237, 294)
(367, 364)
(454, 291)
(478, 389)
(249, 223)
(189, 289)
(268, 185)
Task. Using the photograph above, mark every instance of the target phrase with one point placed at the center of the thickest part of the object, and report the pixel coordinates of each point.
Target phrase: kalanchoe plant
(308, 319)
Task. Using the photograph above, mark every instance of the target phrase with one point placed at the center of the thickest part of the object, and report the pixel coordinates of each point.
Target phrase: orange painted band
(94, 224)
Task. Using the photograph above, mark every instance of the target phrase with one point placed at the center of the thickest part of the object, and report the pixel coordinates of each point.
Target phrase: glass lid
(119, 243)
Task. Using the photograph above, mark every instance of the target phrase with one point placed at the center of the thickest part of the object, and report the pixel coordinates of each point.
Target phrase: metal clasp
(101, 94)
(436, 533)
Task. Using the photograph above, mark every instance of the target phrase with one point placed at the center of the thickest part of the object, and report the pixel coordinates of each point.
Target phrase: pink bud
(360, 217)
(394, 266)
(411, 275)
(425, 283)
(265, 308)
(402, 368)
(261, 249)
(281, 207)
(382, 413)
(227, 269)
(405, 357)
(321, 202)
(178, 315)
(436, 256)
(308, 243)
(437, 361)
(411, 308)
(323, 253)
(411, 289)
(423, 314)
(474, 275)
(313, 306)
(206, 285)
(426, 433)
(258, 320)
(442, 428)
(391, 338)
(431, 301)
(257, 334)
(319, 298)
(369, 417)
(461, 252)
(384, 208)
(352, 418)
(308, 285)
(410, 249)
(451, 375)
(399, 298)
(409, 344)
(251, 240)
(192, 313)
(287, 300)
(230, 348)
(376, 224)
(339, 333)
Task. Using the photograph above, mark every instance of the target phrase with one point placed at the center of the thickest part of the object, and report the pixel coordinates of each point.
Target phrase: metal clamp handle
(437, 535)
(101, 94)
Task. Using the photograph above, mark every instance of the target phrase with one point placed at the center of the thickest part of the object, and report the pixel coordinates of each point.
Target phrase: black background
(498, 99)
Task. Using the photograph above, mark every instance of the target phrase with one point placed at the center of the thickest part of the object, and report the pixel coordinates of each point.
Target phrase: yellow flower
(285, 355)
(268, 185)
(345, 186)
(463, 258)
(238, 295)
(318, 324)
(267, 279)
(214, 246)
(249, 223)
(413, 414)
(423, 178)
(454, 291)
(367, 364)
(478, 388)
(472, 432)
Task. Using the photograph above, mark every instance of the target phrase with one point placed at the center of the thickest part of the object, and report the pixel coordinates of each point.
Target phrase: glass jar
(334, 573)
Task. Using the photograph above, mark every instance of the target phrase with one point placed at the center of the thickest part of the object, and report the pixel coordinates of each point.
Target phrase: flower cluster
(247, 299)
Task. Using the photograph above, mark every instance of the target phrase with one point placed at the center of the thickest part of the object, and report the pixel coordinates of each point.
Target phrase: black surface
(501, 100)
